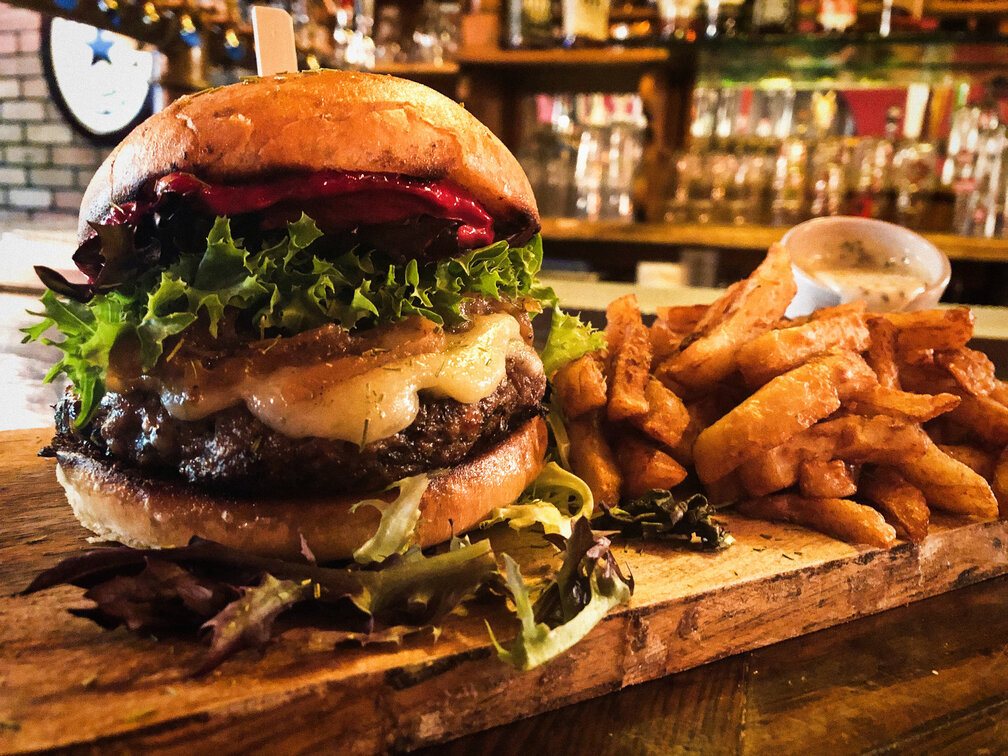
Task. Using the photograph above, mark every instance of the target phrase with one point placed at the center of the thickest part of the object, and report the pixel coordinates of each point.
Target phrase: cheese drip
(309, 401)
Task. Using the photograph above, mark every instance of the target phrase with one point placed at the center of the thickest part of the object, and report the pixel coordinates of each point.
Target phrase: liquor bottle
(807, 17)
(585, 21)
(772, 16)
(527, 23)
(704, 24)
(677, 19)
(732, 18)
(837, 15)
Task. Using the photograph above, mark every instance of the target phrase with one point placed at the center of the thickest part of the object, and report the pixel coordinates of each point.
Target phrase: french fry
(902, 503)
(778, 468)
(725, 490)
(593, 461)
(835, 390)
(645, 467)
(666, 418)
(979, 461)
(826, 479)
(682, 318)
(702, 413)
(932, 329)
(999, 482)
(985, 418)
(840, 518)
(671, 326)
(915, 408)
(881, 355)
(927, 378)
(971, 369)
(621, 314)
(1000, 392)
(782, 349)
(631, 364)
(746, 308)
(851, 438)
(779, 410)
(949, 485)
(580, 385)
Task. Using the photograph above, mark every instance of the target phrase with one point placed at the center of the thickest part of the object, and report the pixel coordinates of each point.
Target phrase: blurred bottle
(626, 147)
(677, 19)
(360, 52)
(869, 16)
(807, 17)
(979, 214)
(561, 160)
(705, 19)
(870, 191)
(914, 165)
(837, 15)
(388, 35)
(528, 23)
(827, 176)
(772, 16)
(732, 18)
(585, 21)
(886, 202)
(479, 26)
(590, 168)
(342, 32)
(703, 114)
(789, 183)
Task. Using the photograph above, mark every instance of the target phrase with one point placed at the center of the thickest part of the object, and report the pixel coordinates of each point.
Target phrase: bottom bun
(119, 505)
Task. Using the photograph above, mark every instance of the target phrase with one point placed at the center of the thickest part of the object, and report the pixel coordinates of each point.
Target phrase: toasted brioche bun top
(311, 121)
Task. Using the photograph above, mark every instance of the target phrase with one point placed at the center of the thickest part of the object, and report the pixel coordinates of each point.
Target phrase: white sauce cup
(890, 249)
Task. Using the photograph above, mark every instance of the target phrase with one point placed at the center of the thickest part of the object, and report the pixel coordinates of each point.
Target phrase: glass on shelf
(584, 154)
(789, 183)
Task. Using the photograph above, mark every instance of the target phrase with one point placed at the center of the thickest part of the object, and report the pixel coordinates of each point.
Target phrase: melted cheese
(308, 401)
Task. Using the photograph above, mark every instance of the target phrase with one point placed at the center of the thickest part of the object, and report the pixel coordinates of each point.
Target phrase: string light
(111, 9)
(66, 4)
(189, 34)
(233, 46)
(151, 15)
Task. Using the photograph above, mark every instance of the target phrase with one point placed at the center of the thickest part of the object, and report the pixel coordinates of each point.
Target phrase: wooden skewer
(273, 29)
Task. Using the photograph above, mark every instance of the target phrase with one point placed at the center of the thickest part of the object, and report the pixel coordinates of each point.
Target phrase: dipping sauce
(856, 272)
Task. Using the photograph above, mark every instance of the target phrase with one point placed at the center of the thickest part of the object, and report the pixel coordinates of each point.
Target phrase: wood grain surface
(66, 683)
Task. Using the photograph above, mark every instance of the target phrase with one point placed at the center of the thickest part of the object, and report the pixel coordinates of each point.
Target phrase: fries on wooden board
(851, 423)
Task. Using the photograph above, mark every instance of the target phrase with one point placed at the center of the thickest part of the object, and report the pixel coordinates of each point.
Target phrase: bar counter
(930, 677)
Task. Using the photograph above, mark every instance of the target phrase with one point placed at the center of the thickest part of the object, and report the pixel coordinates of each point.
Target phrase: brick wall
(44, 164)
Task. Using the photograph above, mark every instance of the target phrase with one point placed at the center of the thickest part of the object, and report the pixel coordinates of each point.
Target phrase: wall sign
(100, 80)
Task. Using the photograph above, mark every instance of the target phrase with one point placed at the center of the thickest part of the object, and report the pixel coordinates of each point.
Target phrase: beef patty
(233, 449)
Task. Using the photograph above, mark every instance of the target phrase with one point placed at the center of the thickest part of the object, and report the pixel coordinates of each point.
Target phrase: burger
(301, 293)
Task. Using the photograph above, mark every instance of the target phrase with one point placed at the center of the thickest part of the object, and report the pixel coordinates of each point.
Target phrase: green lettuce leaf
(554, 500)
(399, 519)
(247, 622)
(237, 596)
(583, 591)
(568, 340)
(418, 590)
(559, 447)
(663, 515)
(295, 282)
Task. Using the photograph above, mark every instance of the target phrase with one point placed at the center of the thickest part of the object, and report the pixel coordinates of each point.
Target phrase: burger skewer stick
(273, 29)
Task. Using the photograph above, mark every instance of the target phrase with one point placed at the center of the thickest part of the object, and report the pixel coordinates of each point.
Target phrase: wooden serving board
(66, 683)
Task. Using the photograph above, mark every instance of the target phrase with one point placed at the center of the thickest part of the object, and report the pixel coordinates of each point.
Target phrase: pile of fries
(851, 423)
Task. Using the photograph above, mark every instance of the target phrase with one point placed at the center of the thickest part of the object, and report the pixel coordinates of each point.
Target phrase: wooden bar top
(931, 677)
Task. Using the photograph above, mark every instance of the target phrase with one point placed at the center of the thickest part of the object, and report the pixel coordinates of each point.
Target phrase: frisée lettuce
(293, 283)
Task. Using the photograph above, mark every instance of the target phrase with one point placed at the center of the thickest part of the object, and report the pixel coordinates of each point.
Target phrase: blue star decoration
(100, 47)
